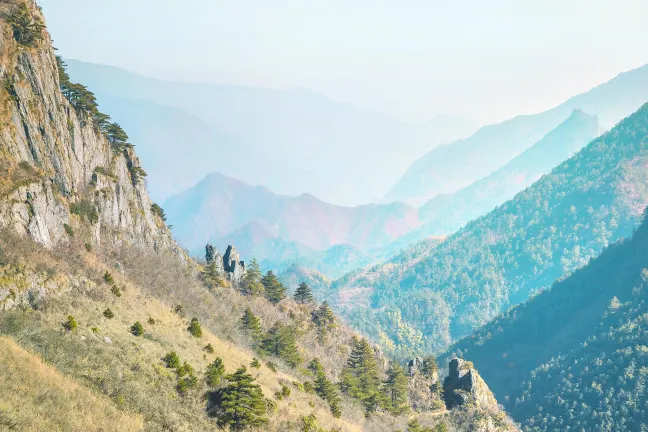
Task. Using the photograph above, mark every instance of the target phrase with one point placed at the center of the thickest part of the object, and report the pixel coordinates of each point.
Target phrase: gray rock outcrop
(463, 386)
(234, 267)
(52, 156)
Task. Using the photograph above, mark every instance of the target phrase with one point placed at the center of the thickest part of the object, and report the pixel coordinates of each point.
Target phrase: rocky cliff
(58, 170)
(464, 386)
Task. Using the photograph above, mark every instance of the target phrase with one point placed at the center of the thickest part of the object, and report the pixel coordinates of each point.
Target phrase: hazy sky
(485, 60)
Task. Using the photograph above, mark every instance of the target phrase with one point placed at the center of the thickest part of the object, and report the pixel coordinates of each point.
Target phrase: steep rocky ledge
(54, 158)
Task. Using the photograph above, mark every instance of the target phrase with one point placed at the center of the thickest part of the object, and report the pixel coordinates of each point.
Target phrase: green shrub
(186, 383)
(185, 369)
(209, 348)
(115, 290)
(285, 391)
(194, 328)
(88, 247)
(151, 321)
(272, 366)
(256, 364)
(68, 229)
(108, 314)
(27, 29)
(86, 210)
(172, 360)
(70, 324)
(107, 277)
(308, 387)
(137, 329)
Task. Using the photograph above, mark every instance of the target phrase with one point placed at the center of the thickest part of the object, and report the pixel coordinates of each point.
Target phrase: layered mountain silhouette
(292, 141)
(450, 167)
(282, 230)
(592, 325)
(547, 231)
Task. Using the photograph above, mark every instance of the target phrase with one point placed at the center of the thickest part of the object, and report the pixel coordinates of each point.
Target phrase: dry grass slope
(36, 397)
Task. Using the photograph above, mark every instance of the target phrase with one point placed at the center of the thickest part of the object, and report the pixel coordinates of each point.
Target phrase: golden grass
(36, 397)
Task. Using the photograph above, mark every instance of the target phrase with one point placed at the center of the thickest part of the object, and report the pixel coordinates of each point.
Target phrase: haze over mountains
(450, 167)
(292, 141)
(222, 210)
(499, 260)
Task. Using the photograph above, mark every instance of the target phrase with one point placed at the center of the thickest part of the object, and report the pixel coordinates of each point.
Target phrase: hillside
(293, 141)
(501, 259)
(445, 214)
(574, 355)
(453, 166)
(107, 321)
(282, 230)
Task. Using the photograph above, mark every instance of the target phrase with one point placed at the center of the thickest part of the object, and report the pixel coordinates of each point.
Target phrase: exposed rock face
(423, 390)
(464, 386)
(213, 256)
(52, 156)
(229, 265)
(234, 267)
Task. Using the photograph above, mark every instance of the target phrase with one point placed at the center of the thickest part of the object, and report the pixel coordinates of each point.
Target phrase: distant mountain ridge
(501, 259)
(452, 166)
(575, 350)
(293, 141)
(446, 214)
(282, 230)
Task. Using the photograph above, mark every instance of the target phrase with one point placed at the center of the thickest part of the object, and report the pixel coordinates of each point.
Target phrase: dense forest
(499, 260)
(575, 354)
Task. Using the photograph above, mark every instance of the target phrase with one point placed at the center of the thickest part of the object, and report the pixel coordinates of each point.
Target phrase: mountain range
(106, 323)
(450, 167)
(576, 350)
(292, 141)
(282, 230)
(499, 260)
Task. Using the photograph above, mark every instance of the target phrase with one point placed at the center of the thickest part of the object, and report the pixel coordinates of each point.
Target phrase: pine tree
(274, 289)
(324, 388)
(360, 378)
(324, 319)
(117, 137)
(304, 295)
(137, 329)
(441, 427)
(251, 284)
(280, 342)
(212, 275)
(252, 325)
(240, 404)
(194, 328)
(396, 387)
(415, 426)
(429, 367)
(215, 372)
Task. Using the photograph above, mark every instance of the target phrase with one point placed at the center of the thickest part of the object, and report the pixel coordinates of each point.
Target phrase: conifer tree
(251, 284)
(324, 388)
(212, 275)
(360, 378)
(429, 367)
(324, 319)
(251, 324)
(274, 289)
(415, 426)
(303, 294)
(117, 137)
(396, 387)
(280, 342)
(215, 372)
(194, 328)
(240, 404)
